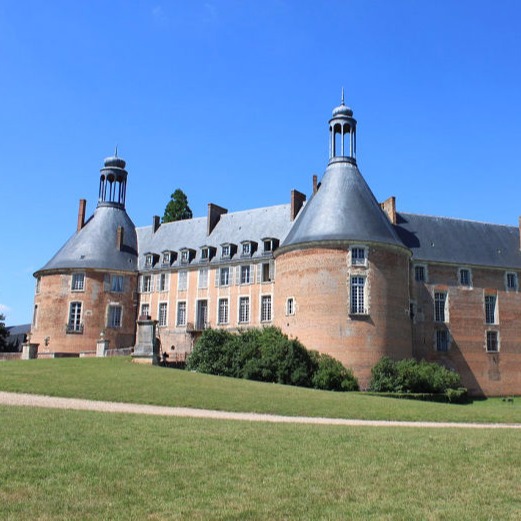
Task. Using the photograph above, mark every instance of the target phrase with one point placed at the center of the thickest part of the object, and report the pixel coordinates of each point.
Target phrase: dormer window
(225, 251)
(166, 257)
(270, 244)
(185, 257)
(246, 248)
(149, 259)
(205, 254)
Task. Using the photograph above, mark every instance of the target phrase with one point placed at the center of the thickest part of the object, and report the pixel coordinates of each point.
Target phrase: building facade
(343, 273)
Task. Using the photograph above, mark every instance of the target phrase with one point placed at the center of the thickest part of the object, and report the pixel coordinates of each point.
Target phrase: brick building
(344, 273)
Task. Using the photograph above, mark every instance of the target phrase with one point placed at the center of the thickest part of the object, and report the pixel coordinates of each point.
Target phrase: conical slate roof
(94, 246)
(343, 209)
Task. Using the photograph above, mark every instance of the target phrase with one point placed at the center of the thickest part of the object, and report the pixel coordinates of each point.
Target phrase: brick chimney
(297, 200)
(81, 214)
(520, 233)
(156, 223)
(119, 238)
(214, 214)
(315, 184)
(389, 207)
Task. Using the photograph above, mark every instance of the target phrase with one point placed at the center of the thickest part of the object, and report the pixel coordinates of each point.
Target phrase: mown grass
(62, 465)
(118, 379)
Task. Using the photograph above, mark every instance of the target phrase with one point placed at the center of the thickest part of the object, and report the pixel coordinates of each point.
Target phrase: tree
(177, 208)
(3, 333)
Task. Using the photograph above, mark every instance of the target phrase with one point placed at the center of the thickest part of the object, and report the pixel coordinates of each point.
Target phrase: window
(149, 259)
(38, 282)
(145, 310)
(490, 309)
(358, 256)
(205, 254)
(224, 276)
(114, 316)
(266, 272)
(35, 315)
(492, 342)
(203, 278)
(181, 313)
(116, 283)
(78, 281)
(246, 248)
(511, 281)
(222, 316)
(146, 284)
(166, 257)
(290, 306)
(225, 251)
(266, 308)
(358, 296)
(246, 274)
(163, 282)
(440, 302)
(74, 325)
(244, 310)
(182, 280)
(185, 256)
(419, 273)
(442, 340)
(464, 277)
(162, 314)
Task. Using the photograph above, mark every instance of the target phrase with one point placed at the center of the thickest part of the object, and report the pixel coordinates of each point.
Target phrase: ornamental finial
(342, 96)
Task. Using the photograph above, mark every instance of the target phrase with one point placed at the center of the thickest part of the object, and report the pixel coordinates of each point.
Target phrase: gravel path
(36, 400)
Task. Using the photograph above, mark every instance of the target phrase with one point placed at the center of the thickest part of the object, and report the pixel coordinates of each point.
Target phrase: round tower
(343, 268)
(88, 289)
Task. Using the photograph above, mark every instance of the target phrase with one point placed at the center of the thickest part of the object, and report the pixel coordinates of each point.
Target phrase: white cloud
(4, 308)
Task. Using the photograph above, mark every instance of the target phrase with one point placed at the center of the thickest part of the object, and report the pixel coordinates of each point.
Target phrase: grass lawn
(118, 379)
(63, 465)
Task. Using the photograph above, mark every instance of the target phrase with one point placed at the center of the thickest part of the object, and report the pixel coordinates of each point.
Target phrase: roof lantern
(342, 134)
(113, 182)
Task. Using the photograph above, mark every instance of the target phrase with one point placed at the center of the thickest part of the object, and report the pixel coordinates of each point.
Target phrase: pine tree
(3, 333)
(177, 208)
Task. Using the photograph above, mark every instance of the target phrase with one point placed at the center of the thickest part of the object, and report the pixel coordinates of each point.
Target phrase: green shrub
(267, 355)
(410, 376)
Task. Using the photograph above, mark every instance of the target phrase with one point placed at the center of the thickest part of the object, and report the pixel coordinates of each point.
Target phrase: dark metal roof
(94, 246)
(457, 241)
(232, 228)
(344, 208)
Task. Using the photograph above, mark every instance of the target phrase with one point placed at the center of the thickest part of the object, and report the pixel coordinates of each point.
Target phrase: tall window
(145, 309)
(246, 248)
(181, 313)
(266, 308)
(182, 280)
(511, 281)
(203, 278)
(492, 342)
(266, 273)
(290, 306)
(357, 295)
(116, 283)
(225, 251)
(246, 274)
(162, 315)
(419, 273)
(490, 309)
(38, 282)
(114, 316)
(78, 281)
(358, 256)
(35, 315)
(440, 302)
(244, 310)
(74, 325)
(442, 340)
(146, 284)
(222, 316)
(464, 277)
(224, 276)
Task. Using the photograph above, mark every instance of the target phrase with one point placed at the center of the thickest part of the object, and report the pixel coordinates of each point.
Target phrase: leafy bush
(410, 376)
(268, 355)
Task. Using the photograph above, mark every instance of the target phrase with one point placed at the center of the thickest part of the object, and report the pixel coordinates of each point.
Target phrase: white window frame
(245, 274)
(146, 284)
(266, 308)
(181, 313)
(246, 249)
(441, 313)
(166, 257)
(182, 280)
(290, 306)
(223, 311)
(244, 310)
(202, 278)
(491, 309)
(149, 260)
(164, 282)
(185, 256)
(162, 314)
(114, 316)
(145, 306)
(358, 255)
(224, 280)
(78, 282)
(74, 320)
(358, 295)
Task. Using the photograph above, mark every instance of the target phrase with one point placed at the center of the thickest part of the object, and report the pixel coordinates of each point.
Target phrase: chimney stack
(214, 214)
(119, 238)
(156, 223)
(81, 214)
(297, 200)
(389, 207)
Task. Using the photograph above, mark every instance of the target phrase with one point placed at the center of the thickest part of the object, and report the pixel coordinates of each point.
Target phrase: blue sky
(229, 100)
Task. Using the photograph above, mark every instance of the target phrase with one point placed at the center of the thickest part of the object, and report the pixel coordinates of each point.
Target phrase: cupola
(342, 134)
(113, 182)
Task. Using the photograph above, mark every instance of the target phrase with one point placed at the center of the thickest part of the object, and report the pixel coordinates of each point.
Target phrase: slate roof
(232, 228)
(344, 208)
(458, 241)
(94, 246)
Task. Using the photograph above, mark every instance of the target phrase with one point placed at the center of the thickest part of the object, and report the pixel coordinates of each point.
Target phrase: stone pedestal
(102, 346)
(29, 351)
(147, 347)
